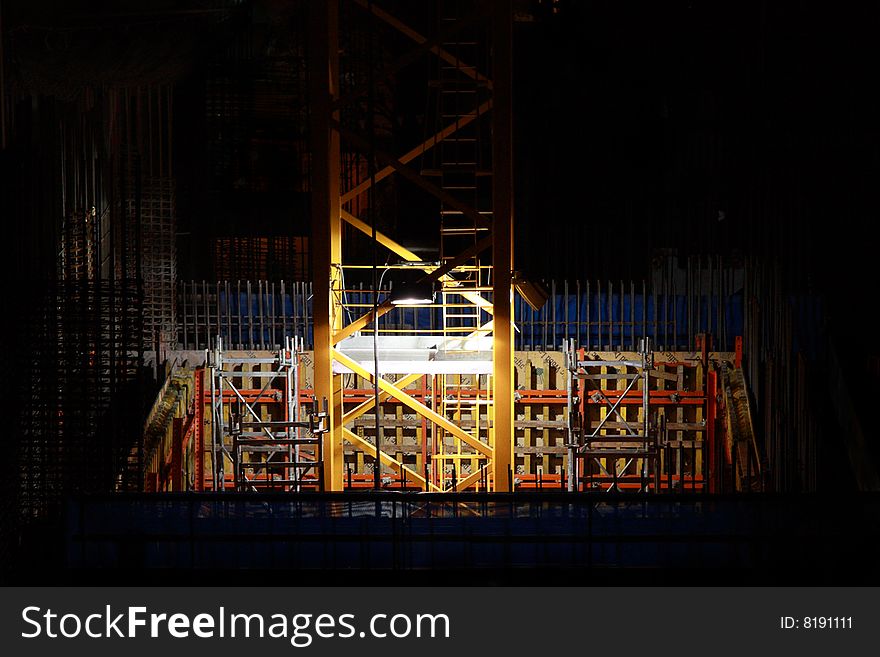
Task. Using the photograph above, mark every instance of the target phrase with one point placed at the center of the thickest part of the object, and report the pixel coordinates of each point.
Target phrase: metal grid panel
(80, 425)
(159, 266)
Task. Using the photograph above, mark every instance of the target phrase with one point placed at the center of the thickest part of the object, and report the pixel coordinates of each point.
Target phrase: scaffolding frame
(635, 443)
(245, 439)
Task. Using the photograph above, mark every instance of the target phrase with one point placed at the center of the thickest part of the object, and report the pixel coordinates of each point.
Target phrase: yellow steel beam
(382, 239)
(363, 407)
(421, 149)
(326, 226)
(388, 460)
(468, 481)
(363, 321)
(469, 71)
(418, 407)
(502, 246)
(414, 177)
(409, 256)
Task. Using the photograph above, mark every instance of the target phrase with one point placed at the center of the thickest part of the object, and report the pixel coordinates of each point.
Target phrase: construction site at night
(444, 292)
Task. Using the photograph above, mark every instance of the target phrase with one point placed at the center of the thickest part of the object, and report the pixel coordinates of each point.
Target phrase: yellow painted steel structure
(326, 225)
(328, 215)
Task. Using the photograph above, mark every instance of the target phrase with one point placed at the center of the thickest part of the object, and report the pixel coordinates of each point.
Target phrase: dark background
(642, 130)
(641, 122)
(701, 127)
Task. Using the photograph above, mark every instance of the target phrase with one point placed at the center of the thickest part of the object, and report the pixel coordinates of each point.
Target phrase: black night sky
(698, 126)
(695, 127)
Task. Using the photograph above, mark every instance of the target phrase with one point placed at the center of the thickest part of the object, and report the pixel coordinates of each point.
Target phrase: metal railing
(605, 316)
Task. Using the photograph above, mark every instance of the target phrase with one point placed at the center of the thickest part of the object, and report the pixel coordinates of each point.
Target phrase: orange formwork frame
(657, 448)
(193, 430)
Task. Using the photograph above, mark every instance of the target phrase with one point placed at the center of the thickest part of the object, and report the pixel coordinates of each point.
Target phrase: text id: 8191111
(816, 623)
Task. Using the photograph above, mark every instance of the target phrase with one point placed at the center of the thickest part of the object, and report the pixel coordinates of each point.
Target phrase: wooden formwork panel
(541, 415)
(677, 416)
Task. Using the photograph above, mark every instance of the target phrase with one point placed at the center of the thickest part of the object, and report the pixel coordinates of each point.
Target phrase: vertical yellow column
(326, 226)
(502, 244)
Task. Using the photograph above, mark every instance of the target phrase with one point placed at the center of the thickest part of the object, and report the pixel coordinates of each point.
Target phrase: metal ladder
(465, 176)
(461, 171)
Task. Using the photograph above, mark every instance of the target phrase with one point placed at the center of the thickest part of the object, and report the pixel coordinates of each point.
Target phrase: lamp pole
(377, 474)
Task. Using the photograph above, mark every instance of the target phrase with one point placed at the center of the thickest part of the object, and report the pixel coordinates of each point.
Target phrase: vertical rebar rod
(632, 315)
(589, 344)
(609, 304)
(620, 319)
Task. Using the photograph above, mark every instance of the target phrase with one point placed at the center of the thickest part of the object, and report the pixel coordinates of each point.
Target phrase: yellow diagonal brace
(447, 57)
(387, 459)
(418, 407)
(363, 407)
(384, 240)
(467, 481)
(421, 149)
(364, 320)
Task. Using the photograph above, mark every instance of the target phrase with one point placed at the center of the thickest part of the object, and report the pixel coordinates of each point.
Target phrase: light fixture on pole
(417, 293)
(413, 287)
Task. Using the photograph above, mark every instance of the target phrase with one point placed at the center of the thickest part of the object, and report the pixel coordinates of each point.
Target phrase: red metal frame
(552, 397)
(199, 429)
(711, 415)
(194, 428)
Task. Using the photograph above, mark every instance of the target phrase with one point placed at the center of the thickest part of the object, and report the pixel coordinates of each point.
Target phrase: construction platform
(691, 408)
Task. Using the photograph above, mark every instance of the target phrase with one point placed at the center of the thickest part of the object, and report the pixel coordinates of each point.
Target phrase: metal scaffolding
(632, 448)
(263, 452)
(655, 422)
